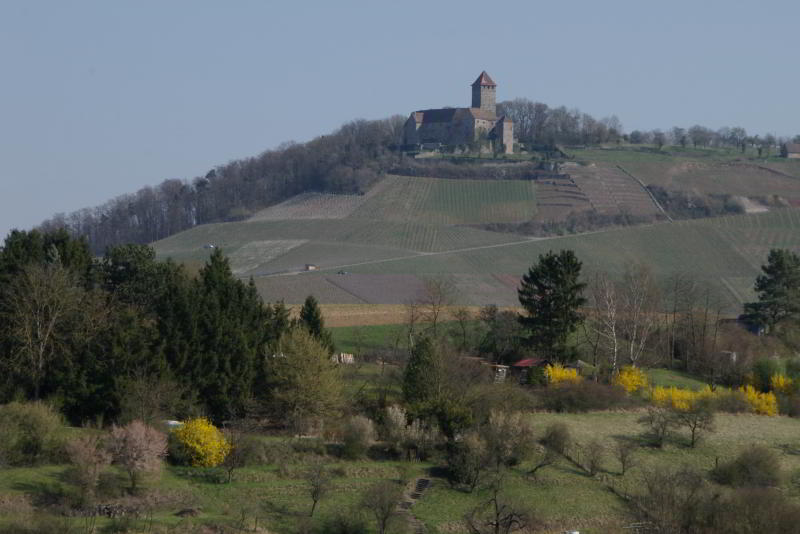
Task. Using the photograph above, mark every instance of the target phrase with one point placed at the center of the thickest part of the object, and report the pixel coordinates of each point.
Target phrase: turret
(483, 93)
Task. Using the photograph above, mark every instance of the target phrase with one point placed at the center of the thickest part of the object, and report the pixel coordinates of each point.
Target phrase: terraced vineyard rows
(312, 206)
(447, 202)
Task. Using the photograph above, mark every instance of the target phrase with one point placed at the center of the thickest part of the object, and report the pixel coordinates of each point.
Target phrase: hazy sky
(101, 98)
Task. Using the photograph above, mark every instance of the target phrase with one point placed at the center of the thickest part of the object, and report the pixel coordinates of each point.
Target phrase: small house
(792, 150)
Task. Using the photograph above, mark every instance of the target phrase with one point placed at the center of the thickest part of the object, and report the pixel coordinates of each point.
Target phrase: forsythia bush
(761, 403)
(204, 443)
(679, 399)
(781, 383)
(632, 379)
(684, 399)
(557, 374)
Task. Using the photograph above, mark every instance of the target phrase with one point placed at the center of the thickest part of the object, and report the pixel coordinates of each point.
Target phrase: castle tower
(483, 93)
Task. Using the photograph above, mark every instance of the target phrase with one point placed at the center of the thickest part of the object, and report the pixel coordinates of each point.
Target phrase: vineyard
(379, 247)
(312, 206)
(448, 202)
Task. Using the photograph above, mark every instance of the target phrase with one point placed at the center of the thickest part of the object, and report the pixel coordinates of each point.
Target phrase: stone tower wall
(483, 96)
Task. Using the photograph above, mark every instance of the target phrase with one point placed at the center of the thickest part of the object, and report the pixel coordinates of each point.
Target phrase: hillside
(378, 247)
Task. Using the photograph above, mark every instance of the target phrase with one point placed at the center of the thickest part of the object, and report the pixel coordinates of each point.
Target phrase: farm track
(439, 253)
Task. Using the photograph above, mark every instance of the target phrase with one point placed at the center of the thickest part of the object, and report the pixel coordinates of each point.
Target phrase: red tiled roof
(793, 148)
(529, 362)
(484, 79)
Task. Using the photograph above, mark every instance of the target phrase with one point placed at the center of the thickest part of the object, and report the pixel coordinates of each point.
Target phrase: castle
(463, 126)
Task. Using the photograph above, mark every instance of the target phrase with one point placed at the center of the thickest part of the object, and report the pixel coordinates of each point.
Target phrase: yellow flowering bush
(676, 398)
(203, 442)
(684, 399)
(557, 374)
(761, 403)
(632, 379)
(780, 383)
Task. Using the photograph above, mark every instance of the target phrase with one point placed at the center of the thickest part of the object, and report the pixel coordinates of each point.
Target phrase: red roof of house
(484, 79)
(529, 362)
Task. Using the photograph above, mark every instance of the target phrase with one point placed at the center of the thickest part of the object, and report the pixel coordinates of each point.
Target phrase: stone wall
(483, 97)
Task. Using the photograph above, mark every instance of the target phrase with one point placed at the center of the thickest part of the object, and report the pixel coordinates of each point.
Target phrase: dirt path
(413, 492)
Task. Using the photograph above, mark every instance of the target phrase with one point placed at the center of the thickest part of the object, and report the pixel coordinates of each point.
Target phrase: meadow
(275, 495)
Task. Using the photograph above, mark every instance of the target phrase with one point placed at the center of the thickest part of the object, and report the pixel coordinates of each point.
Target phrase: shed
(792, 150)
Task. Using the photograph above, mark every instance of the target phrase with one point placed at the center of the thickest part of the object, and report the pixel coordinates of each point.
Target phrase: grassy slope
(407, 223)
(570, 500)
(563, 495)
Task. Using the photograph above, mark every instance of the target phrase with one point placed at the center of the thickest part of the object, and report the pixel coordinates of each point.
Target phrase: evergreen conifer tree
(311, 318)
(551, 293)
(778, 290)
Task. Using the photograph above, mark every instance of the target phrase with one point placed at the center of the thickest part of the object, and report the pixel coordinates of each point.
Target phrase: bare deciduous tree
(499, 514)
(605, 321)
(39, 303)
(318, 478)
(624, 451)
(463, 317)
(438, 293)
(89, 456)
(640, 305)
(381, 501)
(138, 449)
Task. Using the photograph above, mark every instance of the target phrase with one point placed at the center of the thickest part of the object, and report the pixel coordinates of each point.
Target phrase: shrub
(672, 397)
(756, 466)
(558, 374)
(508, 438)
(780, 383)
(344, 522)
(757, 510)
(405, 438)
(631, 379)
(467, 461)
(204, 444)
(359, 433)
(89, 457)
(760, 403)
(138, 449)
(582, 397)
(557, 438)
(763, 370)
(309, 446)
(658, 422)
(730, 401)
(793, 367)
(30, 433)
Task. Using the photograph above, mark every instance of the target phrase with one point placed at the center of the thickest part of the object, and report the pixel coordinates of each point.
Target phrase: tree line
(536, 125)
(348, 160)
(100, 337)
